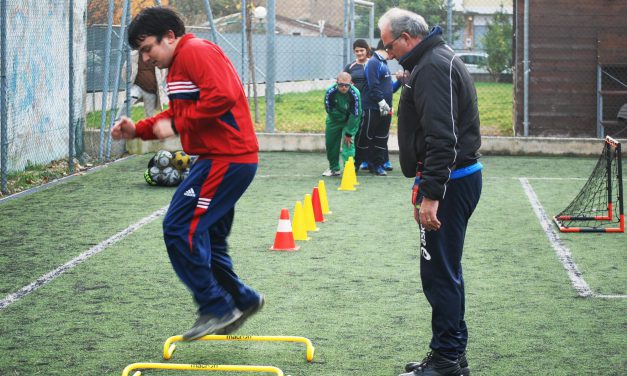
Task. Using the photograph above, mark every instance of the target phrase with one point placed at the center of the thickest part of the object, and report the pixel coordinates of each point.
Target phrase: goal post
(599, 205)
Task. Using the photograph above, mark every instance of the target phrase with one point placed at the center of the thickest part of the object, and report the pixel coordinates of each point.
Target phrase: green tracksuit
(343, 118)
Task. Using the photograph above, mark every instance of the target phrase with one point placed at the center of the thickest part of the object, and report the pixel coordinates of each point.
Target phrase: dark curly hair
(154, 21)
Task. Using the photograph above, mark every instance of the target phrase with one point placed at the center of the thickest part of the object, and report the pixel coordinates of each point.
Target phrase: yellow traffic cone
(323, 198)
(347, 179)
(310, 220)
(298, 223)
(352, 170)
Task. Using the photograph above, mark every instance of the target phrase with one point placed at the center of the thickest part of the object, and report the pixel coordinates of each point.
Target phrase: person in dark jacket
(439, 139)
(372, 139)
(357, 68)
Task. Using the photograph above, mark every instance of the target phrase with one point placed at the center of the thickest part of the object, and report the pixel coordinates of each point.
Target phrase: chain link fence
(40, 100)
(64, 79)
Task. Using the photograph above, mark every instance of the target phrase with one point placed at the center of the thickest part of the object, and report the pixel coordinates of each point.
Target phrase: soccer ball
(163, 158)
(171, 176)
(180, 160)
(156, 174)
(148, 177)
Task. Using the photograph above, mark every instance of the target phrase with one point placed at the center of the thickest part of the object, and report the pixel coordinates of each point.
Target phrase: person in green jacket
(342, 102)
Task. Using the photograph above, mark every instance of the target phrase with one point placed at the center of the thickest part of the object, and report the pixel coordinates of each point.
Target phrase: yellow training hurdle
(199, 367)
(169, 346)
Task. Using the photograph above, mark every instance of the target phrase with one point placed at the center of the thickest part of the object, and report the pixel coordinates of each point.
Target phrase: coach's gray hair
(401, 20)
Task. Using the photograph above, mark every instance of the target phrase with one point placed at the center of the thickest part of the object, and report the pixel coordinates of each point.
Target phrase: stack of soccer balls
(168, 169)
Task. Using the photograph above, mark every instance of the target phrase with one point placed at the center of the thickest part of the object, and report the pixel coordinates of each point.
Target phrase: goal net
(599, 205)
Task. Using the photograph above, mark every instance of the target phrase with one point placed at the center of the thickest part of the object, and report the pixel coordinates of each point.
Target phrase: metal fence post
(526, 70)
(352, 26)
(116, 86)
(214, 36)
(271, 67)
(346, 42)
(244, 11)
(105, 86)
(449, 22)
(71, 86)
(3, 97)
(129, 70)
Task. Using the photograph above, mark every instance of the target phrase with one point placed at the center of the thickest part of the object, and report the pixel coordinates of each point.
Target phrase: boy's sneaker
(330, 172)
(387, 166)
(211, 324)
(242, 319)
(364, 165)
(436, 365)
(463, 364)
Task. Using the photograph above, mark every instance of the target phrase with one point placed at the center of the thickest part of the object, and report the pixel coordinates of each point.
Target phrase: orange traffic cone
(284, 239)
(317, 207)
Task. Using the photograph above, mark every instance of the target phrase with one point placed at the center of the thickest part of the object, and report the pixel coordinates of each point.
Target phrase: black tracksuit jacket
(438, 118)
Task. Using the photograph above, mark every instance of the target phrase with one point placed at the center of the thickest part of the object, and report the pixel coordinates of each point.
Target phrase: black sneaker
(210, 324)
(435, 364)
(463, 364)
(242, 319)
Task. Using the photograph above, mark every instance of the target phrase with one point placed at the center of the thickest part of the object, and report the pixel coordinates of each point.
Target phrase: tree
(192, 11)
(498, 44)
(195, 13)
(98, 10)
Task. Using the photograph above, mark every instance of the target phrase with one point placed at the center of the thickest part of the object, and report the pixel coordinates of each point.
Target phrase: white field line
(12, 298)
(563, 253)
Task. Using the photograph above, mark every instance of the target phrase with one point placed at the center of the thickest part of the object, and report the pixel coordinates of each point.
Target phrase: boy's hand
(123, 129)
(163, 129)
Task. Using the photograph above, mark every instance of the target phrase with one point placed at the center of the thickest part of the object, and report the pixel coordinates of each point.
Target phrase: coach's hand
(123, 129)
(428, 214)
(163, 129)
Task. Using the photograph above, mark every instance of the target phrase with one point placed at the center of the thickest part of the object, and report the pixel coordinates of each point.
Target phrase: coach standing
(439, 139)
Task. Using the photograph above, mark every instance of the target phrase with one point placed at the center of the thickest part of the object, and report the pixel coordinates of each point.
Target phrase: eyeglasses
(389, 46)
(340, 84)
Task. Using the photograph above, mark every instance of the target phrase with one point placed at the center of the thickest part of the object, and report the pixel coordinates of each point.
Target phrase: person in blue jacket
(372, 139)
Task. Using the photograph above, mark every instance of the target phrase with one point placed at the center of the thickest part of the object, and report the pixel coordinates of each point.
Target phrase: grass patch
(304, 112)
(37, 174)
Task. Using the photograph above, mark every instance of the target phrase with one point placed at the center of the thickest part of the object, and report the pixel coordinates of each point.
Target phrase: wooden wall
(564, 50)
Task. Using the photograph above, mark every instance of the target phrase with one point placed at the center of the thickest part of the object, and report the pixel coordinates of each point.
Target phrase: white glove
(384, 108)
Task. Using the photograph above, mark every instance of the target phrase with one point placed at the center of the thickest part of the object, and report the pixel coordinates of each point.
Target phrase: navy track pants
(441, 268)
(195, 231)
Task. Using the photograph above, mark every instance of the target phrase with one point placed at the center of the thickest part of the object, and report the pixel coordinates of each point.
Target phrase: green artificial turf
(353, 289)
